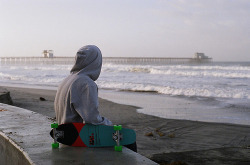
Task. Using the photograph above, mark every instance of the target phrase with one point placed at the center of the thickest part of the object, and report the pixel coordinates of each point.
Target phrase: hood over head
(88, 61)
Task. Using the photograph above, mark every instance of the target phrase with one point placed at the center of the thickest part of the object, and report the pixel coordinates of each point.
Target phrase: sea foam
(219, 80)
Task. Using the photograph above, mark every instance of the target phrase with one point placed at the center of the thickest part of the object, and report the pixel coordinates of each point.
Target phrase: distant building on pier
(200, 56)
(48, 54)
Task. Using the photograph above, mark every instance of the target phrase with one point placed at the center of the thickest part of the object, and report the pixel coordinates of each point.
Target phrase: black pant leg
(132, 147)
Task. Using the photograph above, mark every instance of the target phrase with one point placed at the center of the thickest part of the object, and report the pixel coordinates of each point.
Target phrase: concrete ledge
(11, 153)
(24, 139)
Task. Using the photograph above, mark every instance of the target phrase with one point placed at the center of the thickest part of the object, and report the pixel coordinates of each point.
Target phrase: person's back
(77, 96)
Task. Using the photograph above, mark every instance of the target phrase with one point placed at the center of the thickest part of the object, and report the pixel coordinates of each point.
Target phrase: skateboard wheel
(54, 125)
(117, 127)
(55, 145)
(118, 148)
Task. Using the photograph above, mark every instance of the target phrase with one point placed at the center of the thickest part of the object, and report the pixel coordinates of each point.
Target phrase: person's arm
(85, 102)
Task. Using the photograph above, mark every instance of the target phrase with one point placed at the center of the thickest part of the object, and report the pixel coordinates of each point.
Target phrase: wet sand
(163, 140)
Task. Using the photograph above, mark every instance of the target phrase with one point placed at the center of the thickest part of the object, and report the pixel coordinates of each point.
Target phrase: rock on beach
(5, 97)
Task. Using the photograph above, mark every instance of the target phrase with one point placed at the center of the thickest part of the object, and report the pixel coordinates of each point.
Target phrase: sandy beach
(163, 140)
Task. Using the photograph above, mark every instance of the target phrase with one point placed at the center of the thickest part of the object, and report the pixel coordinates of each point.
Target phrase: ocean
(224, 86)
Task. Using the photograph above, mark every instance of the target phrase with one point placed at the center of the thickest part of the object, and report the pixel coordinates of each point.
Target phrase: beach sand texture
(162, 140)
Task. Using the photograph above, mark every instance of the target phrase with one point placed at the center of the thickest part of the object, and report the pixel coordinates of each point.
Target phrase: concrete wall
(11, 153)
(25, 140)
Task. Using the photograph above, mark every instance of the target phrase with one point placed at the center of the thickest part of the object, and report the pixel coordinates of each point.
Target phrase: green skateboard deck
(88, 135)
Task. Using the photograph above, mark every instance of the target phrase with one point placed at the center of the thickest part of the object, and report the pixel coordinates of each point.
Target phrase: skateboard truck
(55, 144)
(117, 137)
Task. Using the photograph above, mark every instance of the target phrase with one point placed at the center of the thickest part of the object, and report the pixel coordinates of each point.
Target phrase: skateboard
(89, 135)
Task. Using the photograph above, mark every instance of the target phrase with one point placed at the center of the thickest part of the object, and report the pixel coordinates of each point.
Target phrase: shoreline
(158, 138)
(200, 109)
(177, 108)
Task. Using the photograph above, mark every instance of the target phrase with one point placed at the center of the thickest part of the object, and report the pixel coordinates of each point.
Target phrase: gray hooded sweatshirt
(77, 96)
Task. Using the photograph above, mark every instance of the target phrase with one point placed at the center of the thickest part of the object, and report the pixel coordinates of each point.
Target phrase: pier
(153, 60)
(116, 60)
(36, 60)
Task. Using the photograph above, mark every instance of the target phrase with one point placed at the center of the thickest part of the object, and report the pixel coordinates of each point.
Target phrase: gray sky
(133, 28)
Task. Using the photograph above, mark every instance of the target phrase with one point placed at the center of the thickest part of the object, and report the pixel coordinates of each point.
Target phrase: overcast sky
(127, 28)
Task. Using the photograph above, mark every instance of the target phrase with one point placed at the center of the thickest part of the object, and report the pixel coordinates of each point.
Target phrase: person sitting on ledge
(77, 96)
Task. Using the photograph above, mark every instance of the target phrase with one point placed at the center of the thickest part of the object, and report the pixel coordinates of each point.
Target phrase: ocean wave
(218, 68)
(180, 67)
(179, 70)
(175, 91)
(201, 73)
(30, 79)
(175, 80)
